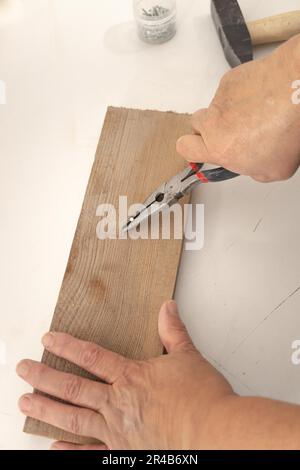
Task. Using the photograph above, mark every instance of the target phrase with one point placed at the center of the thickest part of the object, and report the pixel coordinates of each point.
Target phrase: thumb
(193, 149)
(172, 331)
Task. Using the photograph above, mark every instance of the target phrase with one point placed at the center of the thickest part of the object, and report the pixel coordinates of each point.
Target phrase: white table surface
(64, 62)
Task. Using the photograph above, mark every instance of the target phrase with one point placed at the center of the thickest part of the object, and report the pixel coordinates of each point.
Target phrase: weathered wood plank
(113, 289)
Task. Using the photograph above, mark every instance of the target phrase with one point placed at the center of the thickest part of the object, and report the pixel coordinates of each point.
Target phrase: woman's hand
(252, 125)
(172, 402)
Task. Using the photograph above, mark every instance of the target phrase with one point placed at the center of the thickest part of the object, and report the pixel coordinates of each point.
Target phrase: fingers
(193, 149)
(67, 446)
(198, 118)
(172, 331)
(67, 387)
(98, 361)
(79, 421)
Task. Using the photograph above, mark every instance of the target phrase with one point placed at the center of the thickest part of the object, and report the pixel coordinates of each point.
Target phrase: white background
(64, 62)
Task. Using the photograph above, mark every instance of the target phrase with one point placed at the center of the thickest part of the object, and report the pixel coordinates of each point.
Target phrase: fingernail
(48, 340)
(172, 308)
(25, 404)
(23, 369)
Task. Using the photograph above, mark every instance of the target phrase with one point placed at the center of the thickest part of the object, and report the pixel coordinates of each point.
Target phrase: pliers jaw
(171, 192)
(166, 195)
(154, 204)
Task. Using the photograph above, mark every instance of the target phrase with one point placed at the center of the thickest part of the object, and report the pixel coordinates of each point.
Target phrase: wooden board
(113, 289)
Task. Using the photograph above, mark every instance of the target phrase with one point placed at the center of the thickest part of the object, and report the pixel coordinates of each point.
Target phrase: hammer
(238, 37)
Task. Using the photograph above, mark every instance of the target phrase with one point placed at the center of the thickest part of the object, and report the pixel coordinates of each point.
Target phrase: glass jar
(156, 20)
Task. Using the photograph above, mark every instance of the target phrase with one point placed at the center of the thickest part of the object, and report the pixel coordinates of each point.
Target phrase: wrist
(294, 46)
(284, 66)
(209, 430)
(288, 57)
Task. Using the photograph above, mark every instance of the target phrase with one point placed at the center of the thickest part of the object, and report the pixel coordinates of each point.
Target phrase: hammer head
(232, 30)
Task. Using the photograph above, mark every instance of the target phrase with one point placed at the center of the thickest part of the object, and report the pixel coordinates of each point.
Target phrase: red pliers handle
(214, 175)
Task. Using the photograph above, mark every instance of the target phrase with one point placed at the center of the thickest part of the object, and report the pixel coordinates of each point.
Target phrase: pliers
(171, 192)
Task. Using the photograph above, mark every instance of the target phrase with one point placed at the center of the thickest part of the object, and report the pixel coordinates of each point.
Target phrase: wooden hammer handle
(275, 28)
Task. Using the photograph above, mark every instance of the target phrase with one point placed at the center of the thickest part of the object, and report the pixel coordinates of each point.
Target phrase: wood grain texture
(113, 289)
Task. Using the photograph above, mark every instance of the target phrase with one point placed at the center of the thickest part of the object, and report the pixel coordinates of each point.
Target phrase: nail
(23, 369)
(172, 308)
(48, 340)
(25, 404)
